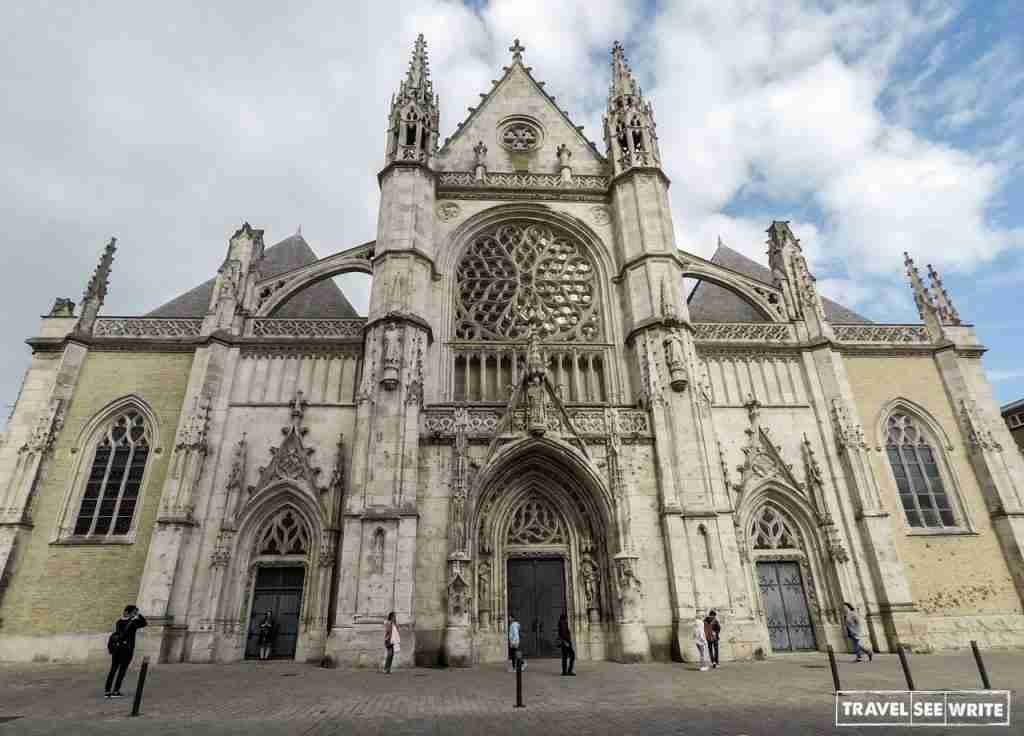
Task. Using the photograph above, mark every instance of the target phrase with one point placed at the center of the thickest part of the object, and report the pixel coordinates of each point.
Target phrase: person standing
(565, 642)
(265, 635)
(855, 632)
(712, 632)
(121, 646)
(514, 655)
(392, 641)
(700, 640)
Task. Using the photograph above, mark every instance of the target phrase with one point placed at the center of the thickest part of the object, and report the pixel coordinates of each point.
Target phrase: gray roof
(323, 300)
(710, 302)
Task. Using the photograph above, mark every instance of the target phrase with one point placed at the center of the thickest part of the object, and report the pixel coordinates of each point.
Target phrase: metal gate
(782, 594)
(278, 590)
(536, 595)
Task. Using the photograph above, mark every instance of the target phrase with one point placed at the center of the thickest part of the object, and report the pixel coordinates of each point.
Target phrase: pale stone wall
(71, 590)
(953, 576)
(517, 95)
(432, 552)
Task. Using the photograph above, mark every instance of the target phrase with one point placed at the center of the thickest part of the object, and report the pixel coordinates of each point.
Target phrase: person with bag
(565, 643)
(121, 645)
(712, 632)
(392, 641)
(265, 635)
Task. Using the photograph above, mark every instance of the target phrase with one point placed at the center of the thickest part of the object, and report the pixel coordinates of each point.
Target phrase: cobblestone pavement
(789, 694)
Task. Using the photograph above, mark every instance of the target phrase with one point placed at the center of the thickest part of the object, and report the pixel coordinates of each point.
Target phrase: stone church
(549, 407)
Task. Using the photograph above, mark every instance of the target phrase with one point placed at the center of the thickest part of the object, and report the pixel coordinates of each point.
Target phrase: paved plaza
(789, 694)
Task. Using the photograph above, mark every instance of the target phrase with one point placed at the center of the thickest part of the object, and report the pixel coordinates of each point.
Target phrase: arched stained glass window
(112, 489)
(522, 276)
(913, 460)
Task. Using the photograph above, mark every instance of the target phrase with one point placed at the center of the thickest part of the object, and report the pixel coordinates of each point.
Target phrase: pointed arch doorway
(542, 535)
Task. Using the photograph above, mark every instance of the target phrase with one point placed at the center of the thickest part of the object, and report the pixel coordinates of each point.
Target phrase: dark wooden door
(278, 590)
(782, 593)
(536, 595)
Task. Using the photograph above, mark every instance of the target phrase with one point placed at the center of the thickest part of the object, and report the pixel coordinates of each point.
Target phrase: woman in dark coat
(565, 642)
(122, 648)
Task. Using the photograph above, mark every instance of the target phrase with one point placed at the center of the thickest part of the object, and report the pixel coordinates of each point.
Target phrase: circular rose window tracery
(519, 277)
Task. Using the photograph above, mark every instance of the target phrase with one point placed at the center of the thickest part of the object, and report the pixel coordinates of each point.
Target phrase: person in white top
(514, 654)
(700, 640)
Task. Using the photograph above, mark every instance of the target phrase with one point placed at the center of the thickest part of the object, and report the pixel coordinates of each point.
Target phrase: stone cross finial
(517, 50)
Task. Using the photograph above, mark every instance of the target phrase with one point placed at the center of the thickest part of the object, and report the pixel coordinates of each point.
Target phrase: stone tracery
(522, 276)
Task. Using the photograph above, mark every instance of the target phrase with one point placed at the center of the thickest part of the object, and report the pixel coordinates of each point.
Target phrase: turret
(629, 125)
(414, 118)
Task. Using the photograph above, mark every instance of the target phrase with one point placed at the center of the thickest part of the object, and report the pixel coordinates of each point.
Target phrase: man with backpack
(121, 645)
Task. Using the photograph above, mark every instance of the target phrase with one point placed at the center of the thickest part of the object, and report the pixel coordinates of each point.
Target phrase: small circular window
(520, 135)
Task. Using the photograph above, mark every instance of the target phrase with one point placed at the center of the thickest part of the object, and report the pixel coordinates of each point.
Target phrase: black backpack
(117, 642)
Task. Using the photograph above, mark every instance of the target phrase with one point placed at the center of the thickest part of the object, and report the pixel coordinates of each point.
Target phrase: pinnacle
(623, 82)
(419, 66)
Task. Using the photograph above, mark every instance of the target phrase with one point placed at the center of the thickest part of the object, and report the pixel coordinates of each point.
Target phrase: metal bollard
(141, 684)
(981, 666)
(519, 682)
(906, 666)
(835, 668)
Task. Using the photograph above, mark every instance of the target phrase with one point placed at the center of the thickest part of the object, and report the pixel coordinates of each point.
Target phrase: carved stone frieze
(516, 180)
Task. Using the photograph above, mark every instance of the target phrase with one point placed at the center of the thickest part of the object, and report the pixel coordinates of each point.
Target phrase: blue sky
(875, 128)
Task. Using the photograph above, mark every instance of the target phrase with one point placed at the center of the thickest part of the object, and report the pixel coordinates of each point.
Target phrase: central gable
(520, 102)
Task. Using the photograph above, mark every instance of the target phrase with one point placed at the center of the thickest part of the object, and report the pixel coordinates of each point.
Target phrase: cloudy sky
(874, 128)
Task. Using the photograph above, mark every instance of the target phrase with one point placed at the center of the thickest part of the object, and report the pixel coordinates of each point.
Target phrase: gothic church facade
(534, 417)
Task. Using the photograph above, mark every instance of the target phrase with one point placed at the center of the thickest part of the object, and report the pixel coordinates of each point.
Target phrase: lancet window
(914, 463)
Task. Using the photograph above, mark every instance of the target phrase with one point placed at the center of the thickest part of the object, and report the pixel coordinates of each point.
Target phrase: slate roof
(323, 300)
(711, 303)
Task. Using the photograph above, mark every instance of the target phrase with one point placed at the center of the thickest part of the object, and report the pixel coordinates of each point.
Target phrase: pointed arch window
(111, 494)
(913, 457)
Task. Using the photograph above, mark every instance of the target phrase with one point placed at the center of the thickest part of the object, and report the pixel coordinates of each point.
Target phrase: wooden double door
(278, 590)
(536, 595)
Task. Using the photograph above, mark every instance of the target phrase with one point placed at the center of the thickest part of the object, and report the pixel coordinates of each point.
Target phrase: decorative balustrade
(146, 327)
(742, 332)
(307, 328)
(868, 334)
(490, 372)
(485, 422)
(500, 180)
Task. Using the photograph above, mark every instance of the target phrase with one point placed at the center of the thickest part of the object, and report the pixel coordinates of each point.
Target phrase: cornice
(393, 165)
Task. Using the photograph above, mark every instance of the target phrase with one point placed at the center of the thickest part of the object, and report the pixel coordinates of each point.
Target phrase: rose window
(520, 277)
(520, 136)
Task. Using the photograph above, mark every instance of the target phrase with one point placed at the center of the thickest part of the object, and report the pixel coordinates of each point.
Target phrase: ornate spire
(623, 82)
(947, 312)
(629, 127)
(96, 290)
(414, 118)
(922, 296)
(419, 66)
